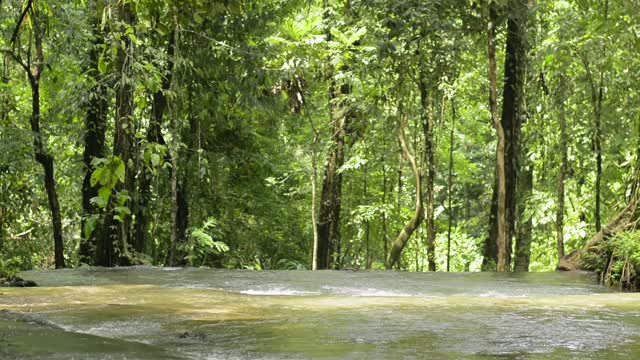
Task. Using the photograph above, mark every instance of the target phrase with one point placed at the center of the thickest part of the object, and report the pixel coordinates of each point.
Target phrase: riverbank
(15, 281)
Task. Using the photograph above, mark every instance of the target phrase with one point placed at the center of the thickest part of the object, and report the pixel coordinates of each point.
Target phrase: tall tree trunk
(330, 200)
(427, 126)
(564, 165)
(403, 237)
(510, 124)
(597, 95)
(154, 135)
(34, 67)
(384, 214)
(94, 139)
(314, 181)
(117, 231)
(174, 198)
(367, 224)
(501, 242)
(513, 97)
(328, 255)
(450, 184)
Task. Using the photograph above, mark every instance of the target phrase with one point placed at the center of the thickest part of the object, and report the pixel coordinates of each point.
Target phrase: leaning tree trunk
(627, 219)
(405, 234)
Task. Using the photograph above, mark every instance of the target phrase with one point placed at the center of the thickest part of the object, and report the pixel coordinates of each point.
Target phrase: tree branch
(14, 37)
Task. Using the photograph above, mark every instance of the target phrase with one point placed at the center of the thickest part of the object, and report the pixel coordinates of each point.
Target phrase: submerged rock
(16, 281)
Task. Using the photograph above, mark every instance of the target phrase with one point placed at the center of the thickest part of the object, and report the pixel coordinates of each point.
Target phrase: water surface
(153, 313)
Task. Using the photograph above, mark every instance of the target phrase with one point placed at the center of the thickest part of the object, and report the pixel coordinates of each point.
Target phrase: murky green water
(151, 313)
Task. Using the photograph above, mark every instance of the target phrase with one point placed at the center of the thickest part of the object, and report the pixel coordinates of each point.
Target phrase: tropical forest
(199, 159)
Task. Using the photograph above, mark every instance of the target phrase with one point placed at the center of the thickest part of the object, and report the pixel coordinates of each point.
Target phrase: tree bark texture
(314, 181)
(34, 68)
(450, 184)
(330, 200)
(427, 126)
(94, 139)
(562, 172)
(513, 97)
(501, 242)
(116, 233)
(328, 226)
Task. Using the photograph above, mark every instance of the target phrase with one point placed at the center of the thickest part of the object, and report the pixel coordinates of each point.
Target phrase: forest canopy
(458, 135)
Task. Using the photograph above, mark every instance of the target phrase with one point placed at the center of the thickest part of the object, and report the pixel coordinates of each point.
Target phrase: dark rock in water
(16, 281)
(194, 335)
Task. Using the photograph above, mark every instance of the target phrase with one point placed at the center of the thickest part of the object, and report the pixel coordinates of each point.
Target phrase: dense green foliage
(230, 102)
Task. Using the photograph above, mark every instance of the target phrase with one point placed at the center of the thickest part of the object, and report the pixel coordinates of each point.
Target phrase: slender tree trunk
(384, 214)
(314, 181)
(450, 184)
(5, 102)
(403, 237)
(367, 224)
(178, 195)
(427, 125)
(597, 95)
(564, 165)
(174, 198)
(34, 68)
(94, 140)
(154, 135)
(501, 241)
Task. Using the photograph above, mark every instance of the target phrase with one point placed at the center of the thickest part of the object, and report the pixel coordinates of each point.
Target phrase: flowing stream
(155, 313)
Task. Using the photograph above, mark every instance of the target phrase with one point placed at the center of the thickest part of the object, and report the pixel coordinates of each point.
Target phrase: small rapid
(155, 313)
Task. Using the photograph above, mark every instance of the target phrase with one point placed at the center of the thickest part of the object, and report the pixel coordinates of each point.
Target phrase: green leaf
(120, 170)
(95, 176)
(155, 159)
(89, 225)
(102, 65)
(98, 202)
(104, 193)
(122, 210)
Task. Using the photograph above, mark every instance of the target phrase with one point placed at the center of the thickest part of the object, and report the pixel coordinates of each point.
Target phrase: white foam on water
(278, 292)
(368, 292)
